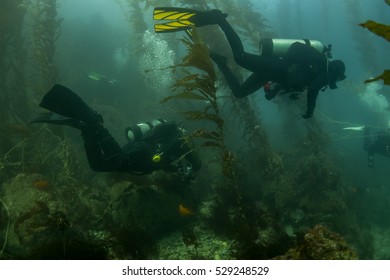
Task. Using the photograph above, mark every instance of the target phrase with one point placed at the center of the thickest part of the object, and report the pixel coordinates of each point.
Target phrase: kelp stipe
(202, 86)
(42, 40)
(14, 100)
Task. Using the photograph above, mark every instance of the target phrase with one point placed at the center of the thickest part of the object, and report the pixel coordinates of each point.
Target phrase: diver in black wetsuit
(380, 145)
(159, 145)
(303, 67)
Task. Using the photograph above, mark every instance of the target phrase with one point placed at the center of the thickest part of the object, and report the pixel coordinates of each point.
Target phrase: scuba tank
(137, 131)
(279, 47)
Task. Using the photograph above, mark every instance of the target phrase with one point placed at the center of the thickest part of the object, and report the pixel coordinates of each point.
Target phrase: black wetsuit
(303, 67)
(166, 140)
(381, 145)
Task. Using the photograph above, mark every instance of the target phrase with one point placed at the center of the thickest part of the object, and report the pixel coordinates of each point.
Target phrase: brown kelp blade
(385, 76)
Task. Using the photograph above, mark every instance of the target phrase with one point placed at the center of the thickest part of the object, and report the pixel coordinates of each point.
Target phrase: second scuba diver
(381, 144)
(157, 145)
(302, 67)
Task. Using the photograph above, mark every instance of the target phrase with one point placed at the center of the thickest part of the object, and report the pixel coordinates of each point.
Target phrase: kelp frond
(196, 115)
(381, 30)
(204, 133)
(385, 76)
(203, 84)
(184, 95)
(198, 55)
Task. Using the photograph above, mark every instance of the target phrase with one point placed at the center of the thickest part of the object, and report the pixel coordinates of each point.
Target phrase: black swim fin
(54, 118)
(182, 18)
(65, 102)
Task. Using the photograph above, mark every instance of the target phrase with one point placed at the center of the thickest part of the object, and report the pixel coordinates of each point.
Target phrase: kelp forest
(253, 198)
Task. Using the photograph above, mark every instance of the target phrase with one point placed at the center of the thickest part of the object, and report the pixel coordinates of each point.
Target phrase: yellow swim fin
(179, 19)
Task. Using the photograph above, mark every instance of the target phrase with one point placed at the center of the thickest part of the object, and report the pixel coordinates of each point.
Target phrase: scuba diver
(155, 145)
(380, 145)
(300, 67)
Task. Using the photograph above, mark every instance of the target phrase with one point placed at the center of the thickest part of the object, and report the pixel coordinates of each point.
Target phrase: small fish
(96, 76)
(356, 128)
(184, 211)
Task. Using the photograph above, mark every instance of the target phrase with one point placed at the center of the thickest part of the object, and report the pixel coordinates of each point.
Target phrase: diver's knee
(239, 93)
(239, 57)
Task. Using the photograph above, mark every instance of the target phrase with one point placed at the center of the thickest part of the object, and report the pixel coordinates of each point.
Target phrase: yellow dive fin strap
(179, 19)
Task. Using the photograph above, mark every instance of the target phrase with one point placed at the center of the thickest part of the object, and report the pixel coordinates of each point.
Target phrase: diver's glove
(307, 115)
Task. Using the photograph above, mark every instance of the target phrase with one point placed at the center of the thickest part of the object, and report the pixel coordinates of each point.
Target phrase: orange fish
(184, 211)
(41, 184)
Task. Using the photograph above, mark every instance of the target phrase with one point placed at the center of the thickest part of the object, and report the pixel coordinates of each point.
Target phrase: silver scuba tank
(137, 131)
(279, 47)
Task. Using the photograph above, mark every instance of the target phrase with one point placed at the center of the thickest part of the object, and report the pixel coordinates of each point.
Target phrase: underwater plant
(383, 31)
(134, 14)
(13, 62)
(7, 227)
(362, 41)
(319, 243)
(201, 86)
(45, 30)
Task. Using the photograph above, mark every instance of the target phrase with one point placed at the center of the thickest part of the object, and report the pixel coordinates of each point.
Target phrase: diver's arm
(312, 94)
(311, 102)
(194, 159)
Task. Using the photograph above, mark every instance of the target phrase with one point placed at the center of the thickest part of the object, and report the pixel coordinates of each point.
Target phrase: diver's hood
(336, 73)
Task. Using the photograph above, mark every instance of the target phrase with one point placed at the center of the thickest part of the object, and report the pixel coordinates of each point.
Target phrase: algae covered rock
(319, 243)
(32, 213)
(147, 208)
(38, 222)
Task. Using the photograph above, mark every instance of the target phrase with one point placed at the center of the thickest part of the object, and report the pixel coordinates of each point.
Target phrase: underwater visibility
(183, 130)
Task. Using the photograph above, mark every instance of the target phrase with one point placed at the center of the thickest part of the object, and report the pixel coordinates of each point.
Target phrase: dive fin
(65, 102)
(54, 118)
(183, 18)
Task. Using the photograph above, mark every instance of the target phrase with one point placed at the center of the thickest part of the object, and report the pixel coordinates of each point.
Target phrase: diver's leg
(103, 153)
(369, 147)
(242, 58)
(253, 83)
(230, 78)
